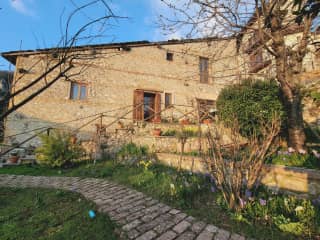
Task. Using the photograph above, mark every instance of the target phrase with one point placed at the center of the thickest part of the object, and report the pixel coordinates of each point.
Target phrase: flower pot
(184, 121)
(157, 132)
(120, 125)
(73, 139)
(207, 121)
(156, 120)
(13, 159)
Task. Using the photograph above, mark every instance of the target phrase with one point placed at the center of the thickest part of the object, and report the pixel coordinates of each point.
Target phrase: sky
(34, 24)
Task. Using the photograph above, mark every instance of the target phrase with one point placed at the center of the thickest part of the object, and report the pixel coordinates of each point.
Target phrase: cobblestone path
(140, 217)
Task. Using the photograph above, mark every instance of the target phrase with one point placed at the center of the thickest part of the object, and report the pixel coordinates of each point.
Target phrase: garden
(229, 195)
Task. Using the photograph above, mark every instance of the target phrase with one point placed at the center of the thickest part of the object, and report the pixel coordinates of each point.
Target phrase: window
(207, 109)
(256, 58)
(169, 56)
(78, 91)
(204, 70)
(167, 99)
(257, 62)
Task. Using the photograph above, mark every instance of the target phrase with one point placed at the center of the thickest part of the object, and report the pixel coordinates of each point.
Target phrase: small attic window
(169, 56)
(22, 71)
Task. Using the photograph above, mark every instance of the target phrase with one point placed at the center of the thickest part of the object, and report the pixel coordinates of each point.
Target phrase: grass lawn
(49, 214)
(169, 186)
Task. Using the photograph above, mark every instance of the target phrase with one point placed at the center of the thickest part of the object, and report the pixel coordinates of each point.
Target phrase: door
(138, 96)
(147, 106)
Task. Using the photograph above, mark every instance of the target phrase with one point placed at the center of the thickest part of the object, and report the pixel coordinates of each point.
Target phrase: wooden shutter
(157, 107)
(138, 110)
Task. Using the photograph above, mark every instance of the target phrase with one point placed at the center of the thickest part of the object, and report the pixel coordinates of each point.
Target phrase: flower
(172, 186)
(262, 202)
(248, 194)
(299, 208)
(291, 150)
(213, 189)
(316, 154)
(242, 202)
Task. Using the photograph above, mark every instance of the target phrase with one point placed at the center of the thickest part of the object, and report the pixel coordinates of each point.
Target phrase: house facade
(134, 82)
(131, 82)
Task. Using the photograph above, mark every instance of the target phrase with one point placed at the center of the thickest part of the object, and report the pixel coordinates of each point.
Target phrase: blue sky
(31, 24)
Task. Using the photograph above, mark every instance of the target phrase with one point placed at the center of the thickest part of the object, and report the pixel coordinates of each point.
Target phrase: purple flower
(262, 202)
(213, 189)
(316, 202)
(248, 194)
(242, 202)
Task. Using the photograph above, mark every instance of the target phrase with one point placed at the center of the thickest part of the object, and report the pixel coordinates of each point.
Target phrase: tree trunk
(293, 106)
(290, 91)
(292, 99)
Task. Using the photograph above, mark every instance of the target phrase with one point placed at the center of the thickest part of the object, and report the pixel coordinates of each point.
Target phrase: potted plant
(120, 125)
(207, 121)
(157, 132)
(184, 121)
(14, 157)
(73, 139)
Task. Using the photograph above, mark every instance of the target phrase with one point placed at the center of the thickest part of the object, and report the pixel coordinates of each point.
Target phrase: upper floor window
(204, 70)
(78, 91)
(169, 56)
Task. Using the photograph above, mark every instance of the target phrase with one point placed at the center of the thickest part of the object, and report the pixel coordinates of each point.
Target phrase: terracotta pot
(207, 121)
(157, 132)
(13, 159)
(156, 120)
(73, 139)
(120, 125)
(184, 121)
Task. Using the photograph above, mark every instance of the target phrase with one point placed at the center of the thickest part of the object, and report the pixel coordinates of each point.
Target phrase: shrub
(131, 153)
(57, 150)
(169, 133)
(250, 104)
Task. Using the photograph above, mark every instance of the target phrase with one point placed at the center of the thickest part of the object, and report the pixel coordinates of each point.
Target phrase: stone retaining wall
(289, 179)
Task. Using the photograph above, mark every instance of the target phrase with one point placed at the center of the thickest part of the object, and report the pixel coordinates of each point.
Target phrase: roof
(11, 56)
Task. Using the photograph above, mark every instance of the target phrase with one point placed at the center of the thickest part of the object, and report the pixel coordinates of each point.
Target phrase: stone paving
(140, 217)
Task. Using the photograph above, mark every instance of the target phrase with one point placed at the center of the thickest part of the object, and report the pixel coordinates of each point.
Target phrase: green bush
(250, 104)
(169, 133)
(57, 150)
(132, 153)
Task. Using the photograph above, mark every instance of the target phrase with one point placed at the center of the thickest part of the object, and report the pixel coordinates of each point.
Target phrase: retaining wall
(292, 180)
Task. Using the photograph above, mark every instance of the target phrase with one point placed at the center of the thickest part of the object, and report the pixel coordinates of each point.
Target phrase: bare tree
(60, 62)
(268, 22)
(240, 169)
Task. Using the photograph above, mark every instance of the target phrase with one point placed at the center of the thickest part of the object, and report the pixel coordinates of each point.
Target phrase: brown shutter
(157, 107)
(138, 110)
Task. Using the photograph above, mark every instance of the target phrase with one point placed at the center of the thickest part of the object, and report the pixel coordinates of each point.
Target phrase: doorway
(148, 106)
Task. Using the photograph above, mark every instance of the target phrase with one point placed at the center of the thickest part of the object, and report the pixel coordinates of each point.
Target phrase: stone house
(137, 81)
(119, 79)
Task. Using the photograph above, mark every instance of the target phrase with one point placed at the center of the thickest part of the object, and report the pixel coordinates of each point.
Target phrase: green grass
(49, 214)
(191, 192)
(296, 160)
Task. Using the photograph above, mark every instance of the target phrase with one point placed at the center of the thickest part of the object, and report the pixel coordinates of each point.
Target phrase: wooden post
(98, 141)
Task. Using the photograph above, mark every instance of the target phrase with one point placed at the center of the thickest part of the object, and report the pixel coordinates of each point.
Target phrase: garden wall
(292, 180)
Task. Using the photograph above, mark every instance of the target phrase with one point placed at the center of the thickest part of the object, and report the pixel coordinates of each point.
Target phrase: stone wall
(111, 79)
(291, 180)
